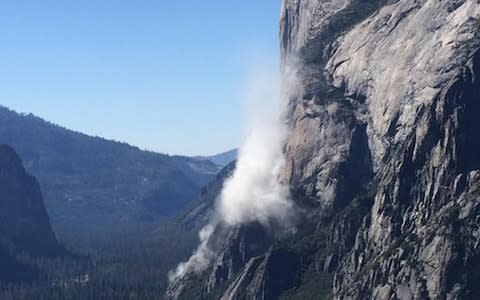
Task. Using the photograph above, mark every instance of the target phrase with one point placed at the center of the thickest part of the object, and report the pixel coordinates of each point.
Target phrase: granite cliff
(382, 160)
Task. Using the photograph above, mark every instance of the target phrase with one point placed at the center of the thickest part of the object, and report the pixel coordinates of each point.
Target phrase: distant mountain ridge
(93, 183)
(221, 159)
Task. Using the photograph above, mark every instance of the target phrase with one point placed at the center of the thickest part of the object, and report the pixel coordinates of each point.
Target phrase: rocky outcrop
(24, 223)
(382, 158)
(407, 77)
(416, 242)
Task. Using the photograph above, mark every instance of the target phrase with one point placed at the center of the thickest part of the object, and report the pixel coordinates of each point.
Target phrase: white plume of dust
(255, 192)
(200, 259)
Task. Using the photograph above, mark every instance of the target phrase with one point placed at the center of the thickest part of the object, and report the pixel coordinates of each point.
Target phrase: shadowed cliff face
(382, 156)
(24, 223)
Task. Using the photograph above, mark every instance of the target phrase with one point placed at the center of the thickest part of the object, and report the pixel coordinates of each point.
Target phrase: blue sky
(167, 76)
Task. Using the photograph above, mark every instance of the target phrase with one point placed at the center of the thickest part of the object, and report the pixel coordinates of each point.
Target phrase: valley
(108, 248)
(357, 175)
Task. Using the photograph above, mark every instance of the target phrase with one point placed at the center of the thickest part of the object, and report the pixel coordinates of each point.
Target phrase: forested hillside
(92, 185)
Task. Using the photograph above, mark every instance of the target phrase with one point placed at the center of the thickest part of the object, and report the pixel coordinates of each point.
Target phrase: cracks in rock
(402, 16)
(337, 65)
(353, 14)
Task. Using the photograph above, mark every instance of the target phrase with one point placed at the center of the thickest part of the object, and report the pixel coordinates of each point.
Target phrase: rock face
(24, 223)
(383, 158)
